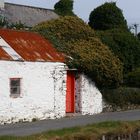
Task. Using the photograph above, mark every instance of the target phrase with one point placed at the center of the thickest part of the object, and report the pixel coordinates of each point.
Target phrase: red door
(70, 95)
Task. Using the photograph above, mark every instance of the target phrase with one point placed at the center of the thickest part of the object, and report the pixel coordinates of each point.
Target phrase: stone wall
(30, 16)
(88, 97)
(43, 91)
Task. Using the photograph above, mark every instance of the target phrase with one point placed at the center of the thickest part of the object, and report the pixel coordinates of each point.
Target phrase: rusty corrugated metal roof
(4, 55)
(30, 46)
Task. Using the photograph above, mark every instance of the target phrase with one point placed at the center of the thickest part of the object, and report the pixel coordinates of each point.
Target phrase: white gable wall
(43, 91)
(88, 97)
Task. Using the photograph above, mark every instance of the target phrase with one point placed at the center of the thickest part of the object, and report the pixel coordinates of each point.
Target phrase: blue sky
(131, 8)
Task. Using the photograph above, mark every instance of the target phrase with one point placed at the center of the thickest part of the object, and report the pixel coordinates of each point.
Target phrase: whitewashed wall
(88, 97)
(43, 91)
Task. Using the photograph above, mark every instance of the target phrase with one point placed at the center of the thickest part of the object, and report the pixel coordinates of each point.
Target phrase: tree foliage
(123, 44)
(3, 22)
(138, 35)
(132, 79)
(122, 97)
(77, 40)
(63, 30)
(97, 61)
(18, 26)
(107, 16)
(64, 8)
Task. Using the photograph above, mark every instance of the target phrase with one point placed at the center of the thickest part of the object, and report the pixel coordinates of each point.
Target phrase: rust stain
(4, 55)
(31, 46)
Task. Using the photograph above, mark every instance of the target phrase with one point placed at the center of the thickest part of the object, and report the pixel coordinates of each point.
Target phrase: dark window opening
(15, 87)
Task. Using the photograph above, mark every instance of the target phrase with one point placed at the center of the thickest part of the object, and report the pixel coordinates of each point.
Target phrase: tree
(138, 35)
(132, 79)
(76, 39)
(18, 26)
(124, 45)
(107, 16)
(3, 22)
(64, 8)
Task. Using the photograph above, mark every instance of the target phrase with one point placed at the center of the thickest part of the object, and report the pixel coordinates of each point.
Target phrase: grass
(82, 133)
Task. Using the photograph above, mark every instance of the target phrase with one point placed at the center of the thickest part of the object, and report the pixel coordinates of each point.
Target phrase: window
(15, 87)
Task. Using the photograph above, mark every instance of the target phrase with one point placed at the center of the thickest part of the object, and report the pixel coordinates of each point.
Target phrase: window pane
(15, 86)
(15, 90)
(15, 82)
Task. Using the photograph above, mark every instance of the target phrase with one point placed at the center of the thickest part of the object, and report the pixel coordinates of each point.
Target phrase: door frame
(73, 103)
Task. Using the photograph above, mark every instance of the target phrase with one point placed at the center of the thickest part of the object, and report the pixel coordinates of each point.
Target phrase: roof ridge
(29, 6)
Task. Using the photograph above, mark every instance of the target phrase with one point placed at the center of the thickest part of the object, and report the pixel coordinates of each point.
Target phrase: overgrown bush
(122, 96)
(97, 61)
(65, 29)
(132, 79)
(77, 40)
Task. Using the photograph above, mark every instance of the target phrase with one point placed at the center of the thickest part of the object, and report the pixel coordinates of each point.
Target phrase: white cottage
(35, 83)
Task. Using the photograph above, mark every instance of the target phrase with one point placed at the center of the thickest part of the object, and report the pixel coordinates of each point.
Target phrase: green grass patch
(93, 131)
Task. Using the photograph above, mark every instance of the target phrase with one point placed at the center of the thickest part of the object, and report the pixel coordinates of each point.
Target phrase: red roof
(4, 55)
(30, 46)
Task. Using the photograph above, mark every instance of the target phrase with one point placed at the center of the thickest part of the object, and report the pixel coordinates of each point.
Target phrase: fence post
(130, 136)
(119, 138)
(138, 134)
(103, 137)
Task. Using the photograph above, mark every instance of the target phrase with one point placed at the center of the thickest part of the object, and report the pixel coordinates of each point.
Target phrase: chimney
(1, 4)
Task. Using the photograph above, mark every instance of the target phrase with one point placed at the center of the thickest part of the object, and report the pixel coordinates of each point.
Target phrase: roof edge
(30, 6)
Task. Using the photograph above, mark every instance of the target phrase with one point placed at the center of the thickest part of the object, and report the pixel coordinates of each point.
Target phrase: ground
(24, 129)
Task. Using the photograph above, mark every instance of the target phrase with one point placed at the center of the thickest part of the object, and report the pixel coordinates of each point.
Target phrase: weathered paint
(43, 91)
(88, 97)
(70, 94)
(30, 46)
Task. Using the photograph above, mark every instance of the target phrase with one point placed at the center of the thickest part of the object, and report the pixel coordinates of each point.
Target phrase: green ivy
(77, 40)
